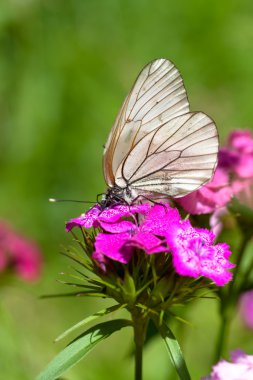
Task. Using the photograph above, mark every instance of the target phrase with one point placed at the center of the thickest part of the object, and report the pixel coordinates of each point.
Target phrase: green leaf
(78, 259)
(74, 294)
(91, 318)
(174, 351)
(80, 347)
(77, 285)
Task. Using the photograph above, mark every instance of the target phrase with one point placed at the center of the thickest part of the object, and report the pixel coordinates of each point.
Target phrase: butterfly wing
(174, 159)
(157, 96)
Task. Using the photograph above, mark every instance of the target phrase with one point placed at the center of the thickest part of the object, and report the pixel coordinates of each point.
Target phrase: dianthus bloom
(18, 253)
(246, 308)
(155, 229)
(240, 368)
(233, 177)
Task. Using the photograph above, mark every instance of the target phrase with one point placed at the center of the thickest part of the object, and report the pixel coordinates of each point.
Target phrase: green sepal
(80, 347)
(128, 289)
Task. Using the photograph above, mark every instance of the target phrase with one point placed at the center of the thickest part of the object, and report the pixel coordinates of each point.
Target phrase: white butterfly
(156, 144)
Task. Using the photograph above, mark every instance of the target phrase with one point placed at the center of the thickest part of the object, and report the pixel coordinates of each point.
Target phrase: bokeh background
(65, 68)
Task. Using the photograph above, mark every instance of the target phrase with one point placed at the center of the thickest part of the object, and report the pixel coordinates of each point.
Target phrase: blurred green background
(65, 68)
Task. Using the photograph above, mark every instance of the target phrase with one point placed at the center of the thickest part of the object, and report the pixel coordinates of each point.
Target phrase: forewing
(157, 96)
(175, 159)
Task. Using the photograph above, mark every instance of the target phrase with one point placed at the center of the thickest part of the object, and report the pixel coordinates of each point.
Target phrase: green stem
(237, 268)
(138, 362)
(246, 277)
(140, 328)
(228, 304)
(222, 338)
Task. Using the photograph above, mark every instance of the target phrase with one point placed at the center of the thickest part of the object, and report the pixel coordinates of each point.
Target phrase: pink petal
(208, 198)
(244, 169)
(159, 220)
(113, 214)
(241, 368)
(241, 140)
(148, 242)
(86, 220)
(113, 246)
(118, 227)
(101, 260)
(216, 220)
(239, 356)
(230, 371)
(194, 255)
(26, 258)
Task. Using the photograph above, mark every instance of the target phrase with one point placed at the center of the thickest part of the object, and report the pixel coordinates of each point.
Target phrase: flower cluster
(19, 254)
(156, 229)
(233, 177)
(240, 368)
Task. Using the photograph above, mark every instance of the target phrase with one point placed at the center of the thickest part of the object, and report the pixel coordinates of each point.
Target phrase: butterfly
(156, 145)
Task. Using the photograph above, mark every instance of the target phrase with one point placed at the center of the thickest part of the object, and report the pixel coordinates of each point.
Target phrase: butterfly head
(117, 195)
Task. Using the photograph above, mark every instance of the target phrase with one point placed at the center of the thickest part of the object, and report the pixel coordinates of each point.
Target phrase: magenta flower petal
(159, 219)
(87, 220)
(96, 216)
(26, 257)
(148, 242)
(233, 177)
(241, 368)
(228, 159)
(113, 214)
(244, 169)
(101, 260)
(20, 253)
(216, 220)
(113, 246)
(230, 371)
(241, 140)
(214, 264)
(76, 222)
(183, 232)
(159, 229)
(239, 356)
(208, 198)
(118, 227)
(194, 255)
(185, 261)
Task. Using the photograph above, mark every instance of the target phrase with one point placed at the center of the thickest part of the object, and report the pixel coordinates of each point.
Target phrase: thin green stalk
(246, 277)
(222, 340)
(228, 304)
(237, 268)
(140, 328)
(138, 362)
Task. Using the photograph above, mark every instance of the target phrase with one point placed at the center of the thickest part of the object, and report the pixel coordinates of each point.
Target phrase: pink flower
(210, 197)
(96, 216)
(240, 368)
(159, 228)
(195, 255)
(240, 144)
(121, 236)
(246, 308)
(19, 253)
(233, 177)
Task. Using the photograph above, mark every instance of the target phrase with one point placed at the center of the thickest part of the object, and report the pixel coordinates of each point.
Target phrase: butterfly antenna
(54, 200)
